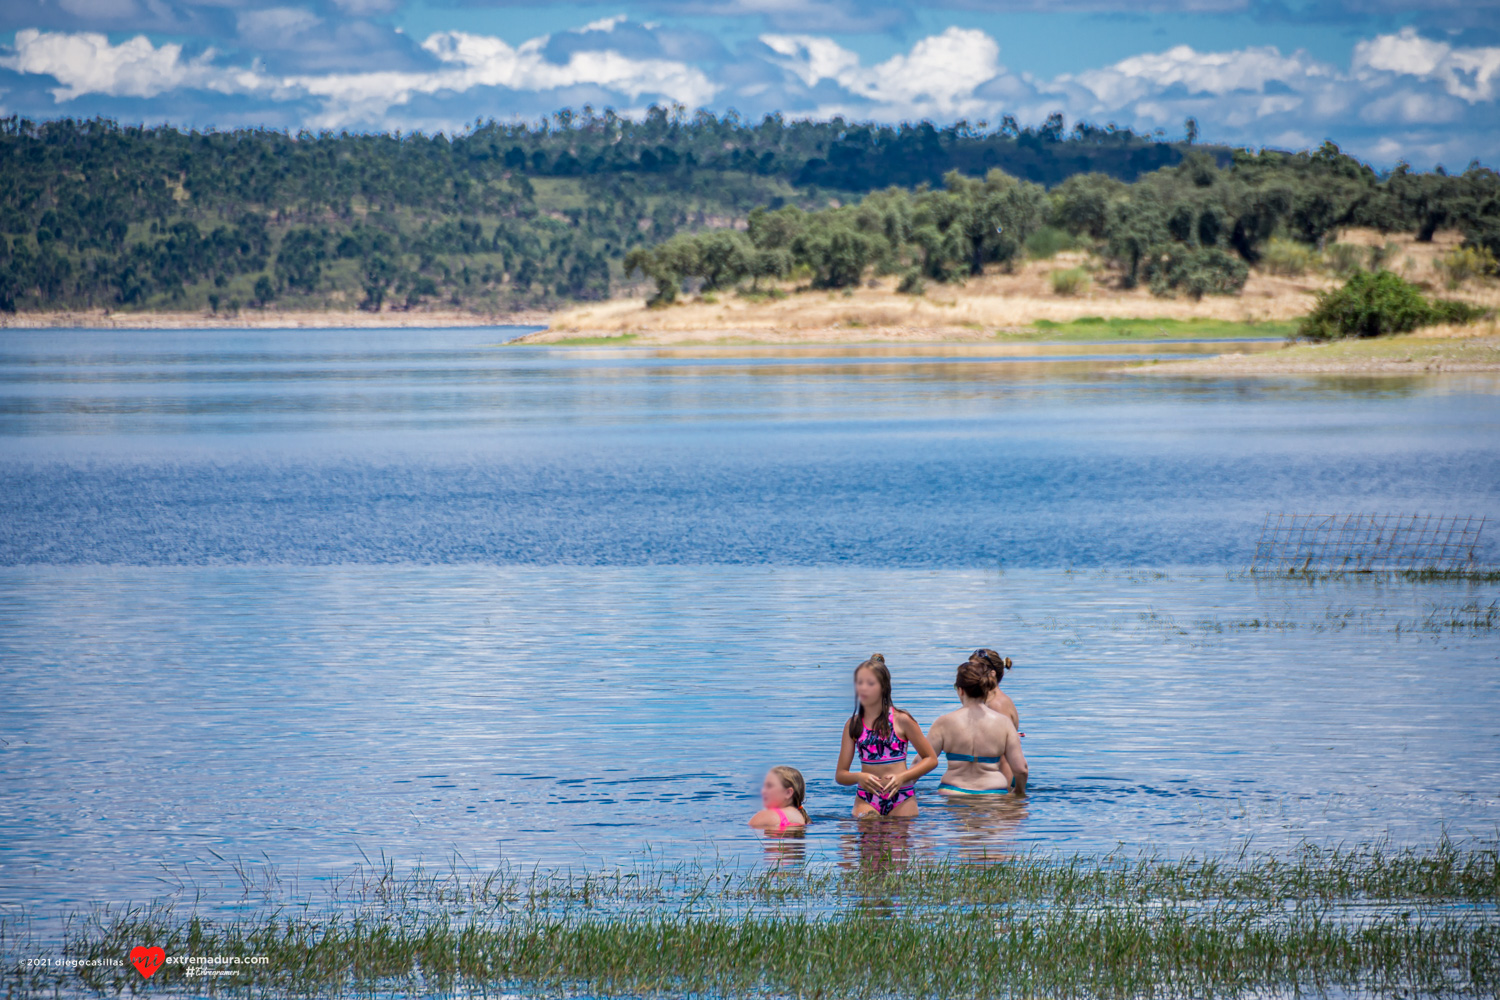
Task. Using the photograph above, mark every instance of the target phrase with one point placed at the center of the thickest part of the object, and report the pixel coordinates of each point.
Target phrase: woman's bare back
(976, 731)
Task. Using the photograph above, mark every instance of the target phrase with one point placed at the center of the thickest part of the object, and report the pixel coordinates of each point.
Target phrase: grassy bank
(1084, 329)
(1023, 301)
(1370, 921)
(1089, 328)
(1474, 348)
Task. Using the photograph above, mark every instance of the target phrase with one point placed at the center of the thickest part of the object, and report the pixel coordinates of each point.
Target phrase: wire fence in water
(1365, 543)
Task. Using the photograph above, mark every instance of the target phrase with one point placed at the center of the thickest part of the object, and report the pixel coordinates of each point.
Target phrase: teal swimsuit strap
(973, 791)
(963, 756)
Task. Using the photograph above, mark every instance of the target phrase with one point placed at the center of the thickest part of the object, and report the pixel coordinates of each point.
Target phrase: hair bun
(975, 679)
(991, 659)
(877, 658)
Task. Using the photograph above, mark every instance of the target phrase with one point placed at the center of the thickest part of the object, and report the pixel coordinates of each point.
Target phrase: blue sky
(1387, 81)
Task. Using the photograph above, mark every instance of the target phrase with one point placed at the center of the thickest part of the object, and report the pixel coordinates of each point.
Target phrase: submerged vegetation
(1373, 920)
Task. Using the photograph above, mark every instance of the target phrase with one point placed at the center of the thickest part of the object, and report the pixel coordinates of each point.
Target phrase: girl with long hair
(881, 734)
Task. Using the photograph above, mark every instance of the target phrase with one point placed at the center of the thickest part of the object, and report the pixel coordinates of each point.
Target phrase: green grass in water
(610, 341)
(1370, 920)
(1100, 328)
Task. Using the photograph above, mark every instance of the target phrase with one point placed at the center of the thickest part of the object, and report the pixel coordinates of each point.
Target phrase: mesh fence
(1295, 543)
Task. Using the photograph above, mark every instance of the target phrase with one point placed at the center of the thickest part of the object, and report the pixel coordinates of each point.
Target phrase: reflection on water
(985, 828)
(328, 447)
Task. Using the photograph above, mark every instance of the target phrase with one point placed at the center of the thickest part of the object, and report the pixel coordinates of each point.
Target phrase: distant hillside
(1191, 229)
(95, 214)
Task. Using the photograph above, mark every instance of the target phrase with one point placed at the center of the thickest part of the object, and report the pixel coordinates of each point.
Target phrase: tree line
(516, 215)
(1193, 228)
(505, 215)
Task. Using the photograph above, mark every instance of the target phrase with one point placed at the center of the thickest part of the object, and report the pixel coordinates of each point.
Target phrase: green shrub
(912, 283)
(1288, 257)
(1453, 311)
(1071, 281)
(1049, 241)
(1199, 271)
(1374, 305)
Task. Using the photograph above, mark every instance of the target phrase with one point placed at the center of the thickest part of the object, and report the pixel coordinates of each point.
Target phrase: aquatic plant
(1375, 920)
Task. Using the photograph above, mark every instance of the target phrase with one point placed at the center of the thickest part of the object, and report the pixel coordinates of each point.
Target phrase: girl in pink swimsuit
(781, 793)
(881, 733)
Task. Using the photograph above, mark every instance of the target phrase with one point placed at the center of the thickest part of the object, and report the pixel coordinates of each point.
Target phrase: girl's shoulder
(773, 818)
(904, 718)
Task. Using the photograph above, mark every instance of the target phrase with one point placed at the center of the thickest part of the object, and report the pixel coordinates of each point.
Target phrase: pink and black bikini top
(876, 749)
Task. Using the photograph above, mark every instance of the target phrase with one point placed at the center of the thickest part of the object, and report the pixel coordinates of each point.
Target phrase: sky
(1387, 81)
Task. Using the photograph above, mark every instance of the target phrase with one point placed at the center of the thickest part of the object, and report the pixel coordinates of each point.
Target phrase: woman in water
(978, 739)
(880, 733)
(997, 665)
(781, 793)
(998, 700)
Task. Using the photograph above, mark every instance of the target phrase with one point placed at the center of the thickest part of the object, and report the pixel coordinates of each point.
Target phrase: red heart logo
(147, 960)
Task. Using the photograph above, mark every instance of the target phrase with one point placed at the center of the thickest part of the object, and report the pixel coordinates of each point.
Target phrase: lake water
(300, 598)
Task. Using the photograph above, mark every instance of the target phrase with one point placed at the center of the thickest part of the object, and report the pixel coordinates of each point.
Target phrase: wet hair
(993, 661)
(882, 728)
(791, 780)
(975, 679)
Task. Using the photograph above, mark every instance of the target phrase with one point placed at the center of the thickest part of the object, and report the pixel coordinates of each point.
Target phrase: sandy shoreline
(267, 319)
(995, 304)
(1437, 350)
(1016, 307)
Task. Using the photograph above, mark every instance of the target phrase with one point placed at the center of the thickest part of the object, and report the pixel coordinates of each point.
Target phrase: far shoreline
(1250, 347)
(269, 319)
(1438, 350)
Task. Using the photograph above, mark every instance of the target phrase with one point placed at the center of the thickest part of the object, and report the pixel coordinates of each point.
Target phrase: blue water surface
(301, 598)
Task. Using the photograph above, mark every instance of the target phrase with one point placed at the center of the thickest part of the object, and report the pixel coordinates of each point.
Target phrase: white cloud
(1215, 73)
(1467, 73)
(938, 77)
(1398, 91)
(812, 57)
(1406, 52)
(489, 61)
(86, 63)
(603, 24)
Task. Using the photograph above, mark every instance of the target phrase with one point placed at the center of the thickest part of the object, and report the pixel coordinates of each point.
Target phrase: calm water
(310, 596)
